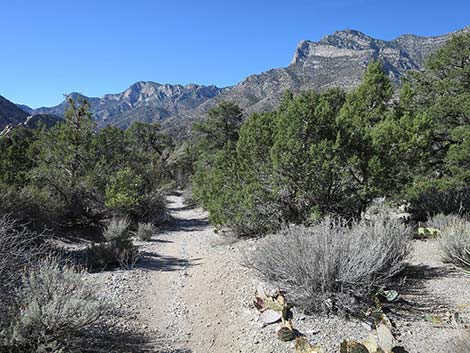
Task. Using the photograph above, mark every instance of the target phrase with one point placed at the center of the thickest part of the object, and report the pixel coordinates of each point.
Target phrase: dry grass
(332, 266)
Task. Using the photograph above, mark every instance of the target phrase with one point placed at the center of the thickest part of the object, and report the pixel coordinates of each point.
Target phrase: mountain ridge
(336, 60)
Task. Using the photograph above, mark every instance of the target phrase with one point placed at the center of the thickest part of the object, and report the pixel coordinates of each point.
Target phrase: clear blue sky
(94, 47)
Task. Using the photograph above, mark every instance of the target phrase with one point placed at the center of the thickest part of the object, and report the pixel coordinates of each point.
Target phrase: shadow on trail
(155, 262)
(186, 225)
(416, 300)
(182, 208)
(160, 241)
(111, 339)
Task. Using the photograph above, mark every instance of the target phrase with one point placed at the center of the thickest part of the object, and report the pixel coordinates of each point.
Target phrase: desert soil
(191, 293)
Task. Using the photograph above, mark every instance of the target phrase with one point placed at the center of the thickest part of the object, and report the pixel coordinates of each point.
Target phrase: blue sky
(94, 47)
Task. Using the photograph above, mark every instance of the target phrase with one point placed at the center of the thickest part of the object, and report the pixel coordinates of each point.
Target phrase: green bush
(54, 305)
(152, 209)
(333, 266)
(32, 205)
(429, 199)
(124, 192)
(455, 243)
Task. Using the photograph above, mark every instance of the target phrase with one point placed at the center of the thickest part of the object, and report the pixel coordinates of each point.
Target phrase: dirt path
(189, 301)
(190, 294)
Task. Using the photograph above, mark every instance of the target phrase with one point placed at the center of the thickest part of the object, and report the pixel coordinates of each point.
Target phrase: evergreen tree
(361, 147)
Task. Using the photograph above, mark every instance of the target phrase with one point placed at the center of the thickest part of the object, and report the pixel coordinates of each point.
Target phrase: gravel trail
(190, 294)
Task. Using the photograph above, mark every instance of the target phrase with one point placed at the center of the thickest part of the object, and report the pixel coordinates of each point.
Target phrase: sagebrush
(53, 305)
(333, 266)
(441, 221)
(455, 243)
(20, 248)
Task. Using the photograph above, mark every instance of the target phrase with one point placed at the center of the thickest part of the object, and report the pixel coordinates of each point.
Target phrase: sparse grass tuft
(118, 229)
(20, 249)
(117, 250)
(145, 231)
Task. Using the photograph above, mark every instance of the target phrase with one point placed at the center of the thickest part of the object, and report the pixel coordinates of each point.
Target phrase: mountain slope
(10, 113)
(337, 60)
(143, 101)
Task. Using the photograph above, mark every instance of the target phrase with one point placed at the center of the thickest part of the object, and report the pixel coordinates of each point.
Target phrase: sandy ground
(190, 293)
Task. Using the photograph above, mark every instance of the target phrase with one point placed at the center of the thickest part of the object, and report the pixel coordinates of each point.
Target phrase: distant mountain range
(337, 60)
(10, 113)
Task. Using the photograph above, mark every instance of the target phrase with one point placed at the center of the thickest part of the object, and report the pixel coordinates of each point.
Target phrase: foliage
(31, 205)
(220, 127)
(72, 175)
(455, 243)
(124, 192)
(441, 94)
(52, 307)
(437, 196)
(334, 153)
(152, 208)
(117, 229)
(441, 221)
(63, 157)
(331, 265)
(301, 162)
(15, 158)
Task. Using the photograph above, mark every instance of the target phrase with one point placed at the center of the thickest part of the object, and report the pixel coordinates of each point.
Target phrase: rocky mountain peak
(348, 39)
(336, 60)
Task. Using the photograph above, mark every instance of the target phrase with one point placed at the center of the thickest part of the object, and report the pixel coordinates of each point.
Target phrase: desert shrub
(152, 209)
(455, 243)
(117, 250)
(145, 231)
(117, 229)
(428, 200)
(380, 208)
(461, 343)
(30, 204)
(53, 306)
(441, 221)
(19, 248)
(332, 266)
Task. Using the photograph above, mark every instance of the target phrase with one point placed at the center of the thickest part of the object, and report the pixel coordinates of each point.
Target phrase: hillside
(10, 113)
(143, 101)
(337, 60)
